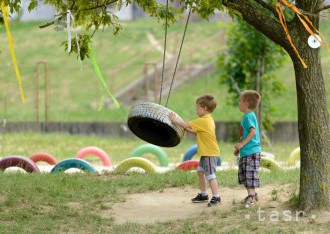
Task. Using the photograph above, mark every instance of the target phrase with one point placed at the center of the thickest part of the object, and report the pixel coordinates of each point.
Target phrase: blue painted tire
(73, 163)
(192, 150)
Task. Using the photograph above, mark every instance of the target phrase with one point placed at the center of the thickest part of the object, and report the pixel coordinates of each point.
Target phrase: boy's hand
(236, 152)
(239, 146)
(172, 117)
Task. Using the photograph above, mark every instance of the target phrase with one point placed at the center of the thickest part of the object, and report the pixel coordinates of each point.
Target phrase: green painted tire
(269, 164)
(129, 163)
(153, 149)
(294, 156)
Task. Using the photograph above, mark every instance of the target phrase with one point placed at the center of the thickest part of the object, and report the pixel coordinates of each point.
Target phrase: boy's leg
(202, 181)
(214, 186)
(252, 178)
(210, 169)
(202, 195)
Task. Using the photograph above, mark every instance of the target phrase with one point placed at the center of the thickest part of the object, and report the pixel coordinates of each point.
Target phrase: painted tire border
(18, 161)
(270, 164)
(42, 156)
(294, 156)
(188, 165)
(139, 162)
(93, 150)
(73, 163)
(153, 149)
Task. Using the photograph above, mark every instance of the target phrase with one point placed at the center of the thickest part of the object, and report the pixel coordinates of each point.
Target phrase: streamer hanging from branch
(104, 87)
(306, 22)
(5, 15)
(70, 17)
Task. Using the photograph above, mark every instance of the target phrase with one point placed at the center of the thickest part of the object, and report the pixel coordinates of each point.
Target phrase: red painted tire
(18, 161)
(188, 165)
(42, 156)
(95, 151)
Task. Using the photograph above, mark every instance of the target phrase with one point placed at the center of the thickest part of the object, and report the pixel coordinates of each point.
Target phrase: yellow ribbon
(5, 15)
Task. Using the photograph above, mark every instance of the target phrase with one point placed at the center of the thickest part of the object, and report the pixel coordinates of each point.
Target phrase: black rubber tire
(150, 122)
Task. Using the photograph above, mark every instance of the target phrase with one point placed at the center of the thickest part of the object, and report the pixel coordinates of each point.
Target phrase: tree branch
(267, 6)
(323, 9)
(79, 10)
(263, 22)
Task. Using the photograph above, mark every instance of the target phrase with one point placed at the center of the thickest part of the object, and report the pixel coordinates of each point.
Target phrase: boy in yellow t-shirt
(207, 145)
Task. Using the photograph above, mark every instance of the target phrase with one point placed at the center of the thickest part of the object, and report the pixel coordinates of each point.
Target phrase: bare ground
(174, 204)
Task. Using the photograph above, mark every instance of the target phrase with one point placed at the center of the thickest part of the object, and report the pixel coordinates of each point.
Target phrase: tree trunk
(314, 131)
(313, 117)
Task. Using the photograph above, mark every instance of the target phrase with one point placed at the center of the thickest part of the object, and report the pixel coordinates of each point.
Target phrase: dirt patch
(174, 204)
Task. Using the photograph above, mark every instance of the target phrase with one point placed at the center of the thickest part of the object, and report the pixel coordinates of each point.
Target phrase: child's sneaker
(250, 202)
(200, 198)
(247, 197)
(214, 201)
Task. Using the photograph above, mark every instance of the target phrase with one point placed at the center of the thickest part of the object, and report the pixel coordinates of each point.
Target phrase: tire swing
(18, 161)
(149, 121)
(73, 163)
(153, 149)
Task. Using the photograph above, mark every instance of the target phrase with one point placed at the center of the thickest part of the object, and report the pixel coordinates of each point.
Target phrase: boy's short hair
(207, 101)
(252, 98)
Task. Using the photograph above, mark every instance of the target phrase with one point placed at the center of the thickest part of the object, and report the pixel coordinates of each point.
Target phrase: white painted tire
(269, 164)
(150, 122)
(294, 156)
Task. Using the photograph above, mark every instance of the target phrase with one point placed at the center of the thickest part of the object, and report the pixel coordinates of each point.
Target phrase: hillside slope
(74, 90)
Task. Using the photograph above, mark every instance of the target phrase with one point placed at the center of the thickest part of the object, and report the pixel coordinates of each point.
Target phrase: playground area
(158, 196)
(98, 130)
(141, 201)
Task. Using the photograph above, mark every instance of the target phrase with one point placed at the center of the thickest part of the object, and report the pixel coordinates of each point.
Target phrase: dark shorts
(248, 168)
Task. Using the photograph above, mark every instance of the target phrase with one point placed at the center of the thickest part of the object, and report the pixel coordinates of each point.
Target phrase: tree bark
(313, 121)
(313, 117)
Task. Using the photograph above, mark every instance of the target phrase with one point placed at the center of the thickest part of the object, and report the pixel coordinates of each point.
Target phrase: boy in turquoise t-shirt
(249, 148)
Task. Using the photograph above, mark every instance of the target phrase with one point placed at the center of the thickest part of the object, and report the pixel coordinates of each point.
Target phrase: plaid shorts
(248, 168)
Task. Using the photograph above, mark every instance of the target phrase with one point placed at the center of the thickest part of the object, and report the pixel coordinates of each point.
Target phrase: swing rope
(164, 55)
(177, 61)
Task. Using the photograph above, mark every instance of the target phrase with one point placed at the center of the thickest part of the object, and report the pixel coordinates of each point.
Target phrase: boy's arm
(190, 131)
(178, 122)
(248, 138)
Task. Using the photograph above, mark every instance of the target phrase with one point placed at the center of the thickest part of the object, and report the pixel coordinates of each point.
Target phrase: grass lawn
(83, 203)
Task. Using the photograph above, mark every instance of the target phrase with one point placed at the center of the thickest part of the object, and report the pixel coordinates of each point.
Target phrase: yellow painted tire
(294, 156)
(129, 163)
(269, 164)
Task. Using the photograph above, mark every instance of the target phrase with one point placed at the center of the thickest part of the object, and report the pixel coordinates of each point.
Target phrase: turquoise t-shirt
(250, 121)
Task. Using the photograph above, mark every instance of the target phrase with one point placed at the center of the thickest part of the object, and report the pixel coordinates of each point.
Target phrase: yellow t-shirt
(207, 144)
